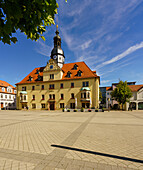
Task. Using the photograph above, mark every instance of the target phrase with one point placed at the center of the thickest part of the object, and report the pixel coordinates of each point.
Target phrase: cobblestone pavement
(26, 138)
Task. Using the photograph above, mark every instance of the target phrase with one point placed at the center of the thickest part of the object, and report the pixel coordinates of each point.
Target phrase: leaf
(14, 39)
(43, 38)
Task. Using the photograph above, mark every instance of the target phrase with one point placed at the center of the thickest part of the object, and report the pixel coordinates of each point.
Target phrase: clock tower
(57, 53)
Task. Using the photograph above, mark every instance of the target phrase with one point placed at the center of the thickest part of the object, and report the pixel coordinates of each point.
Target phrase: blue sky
(107, 35)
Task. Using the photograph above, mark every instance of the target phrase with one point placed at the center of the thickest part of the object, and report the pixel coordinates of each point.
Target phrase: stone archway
(140, 106)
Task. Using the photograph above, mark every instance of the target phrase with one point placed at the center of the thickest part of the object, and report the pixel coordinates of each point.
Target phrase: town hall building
(59, 85)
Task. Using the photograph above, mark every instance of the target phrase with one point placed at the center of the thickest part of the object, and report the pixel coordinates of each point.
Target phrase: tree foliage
(122, 93)
(28, 16)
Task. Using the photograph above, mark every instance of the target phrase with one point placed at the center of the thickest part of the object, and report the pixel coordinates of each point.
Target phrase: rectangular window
(43, 106)
(85, 95)
(62, 96)
(51, 76)
(85, 84)
(61, 105)
(24, 88)
(72, 105)
(24, 97)
(33, 87)
(72, 95)
(51, 96)
(42, 87)
(33, 106)
(62, 85)
(43, 97)
(72, 85)
(5, 96)
(33, 97)
(9, 96)
(51, 86)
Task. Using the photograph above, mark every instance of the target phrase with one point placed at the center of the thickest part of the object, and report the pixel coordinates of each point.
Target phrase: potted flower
(96, 110)
(75, 110)
(68, 110)
(89, 110)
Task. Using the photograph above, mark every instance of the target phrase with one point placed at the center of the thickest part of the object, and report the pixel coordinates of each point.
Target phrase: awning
(85, 88)
(23, 92)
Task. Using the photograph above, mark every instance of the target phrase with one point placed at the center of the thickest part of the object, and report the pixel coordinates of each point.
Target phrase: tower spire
(57, 31)
(57, 53)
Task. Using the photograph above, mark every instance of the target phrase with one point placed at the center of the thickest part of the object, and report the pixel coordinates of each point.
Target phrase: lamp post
(108, 104)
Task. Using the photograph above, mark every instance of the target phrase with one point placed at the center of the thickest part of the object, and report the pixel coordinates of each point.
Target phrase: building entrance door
(52, 105)
(1, 105)
(86, 105)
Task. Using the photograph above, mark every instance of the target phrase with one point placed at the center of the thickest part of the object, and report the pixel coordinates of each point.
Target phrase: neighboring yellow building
(59, 85)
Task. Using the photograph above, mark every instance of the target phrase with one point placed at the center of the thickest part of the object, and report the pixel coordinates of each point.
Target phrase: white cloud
(105, 81)
(86, 44)
(43, 48)
(122, 55)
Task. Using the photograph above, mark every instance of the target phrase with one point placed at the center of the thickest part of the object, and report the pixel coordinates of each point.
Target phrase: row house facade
(7, 96)
(136, 101)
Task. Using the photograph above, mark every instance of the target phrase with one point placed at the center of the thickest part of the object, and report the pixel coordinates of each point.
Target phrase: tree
(122, 93)
(28, 16)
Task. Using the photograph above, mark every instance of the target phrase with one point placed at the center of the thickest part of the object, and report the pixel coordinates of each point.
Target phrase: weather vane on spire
(57, 31)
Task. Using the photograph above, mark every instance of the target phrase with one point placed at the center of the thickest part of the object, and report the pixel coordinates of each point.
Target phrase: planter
(96, 110)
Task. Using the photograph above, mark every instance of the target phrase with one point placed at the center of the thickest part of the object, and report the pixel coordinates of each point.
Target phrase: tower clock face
(51, 66)
(54, 57)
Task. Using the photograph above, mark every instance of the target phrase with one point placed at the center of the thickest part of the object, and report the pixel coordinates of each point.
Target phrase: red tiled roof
(108, 88)
(85, 72)
(5, 85)
(135, 87)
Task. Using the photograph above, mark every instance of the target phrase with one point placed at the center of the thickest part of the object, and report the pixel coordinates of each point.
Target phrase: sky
(106, 35)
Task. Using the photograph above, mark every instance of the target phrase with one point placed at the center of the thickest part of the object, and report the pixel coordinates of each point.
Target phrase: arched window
(68, 74)
(37, 71)
(39, 77)
(75, 67)
(79, 73)
(30, 78)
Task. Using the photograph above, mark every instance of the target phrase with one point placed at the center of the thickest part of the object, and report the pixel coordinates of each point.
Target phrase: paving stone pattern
(26, 138)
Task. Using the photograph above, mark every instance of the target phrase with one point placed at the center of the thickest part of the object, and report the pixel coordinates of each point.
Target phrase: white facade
(136, 101)
(7, 97)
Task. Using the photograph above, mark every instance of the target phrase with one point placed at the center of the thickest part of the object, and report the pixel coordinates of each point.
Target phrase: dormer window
(37, 71)
(30, 78)
(79, 73)
(9, 90)
(3, 89)
(39, 77)
(68, 74)
(75, 67)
